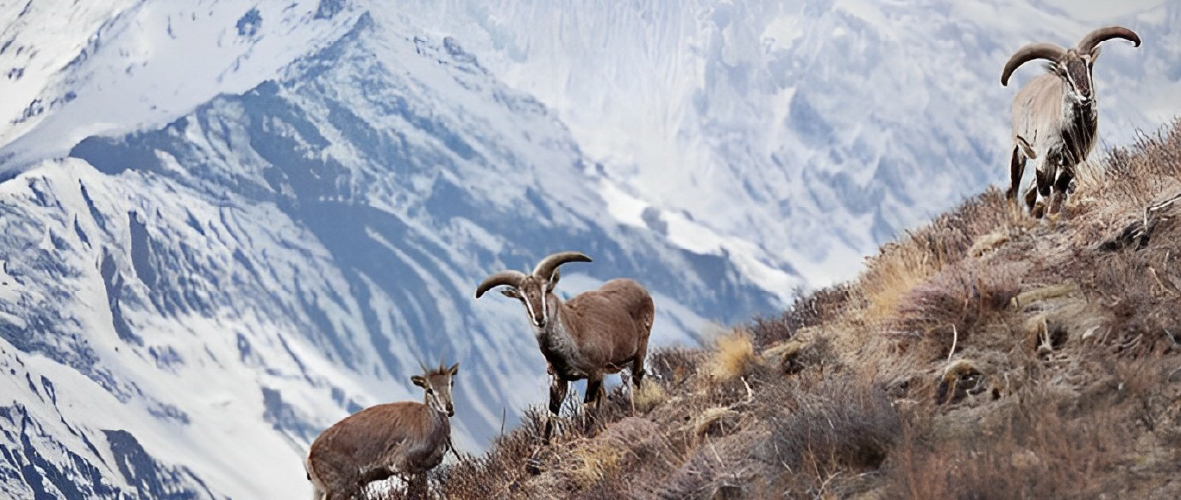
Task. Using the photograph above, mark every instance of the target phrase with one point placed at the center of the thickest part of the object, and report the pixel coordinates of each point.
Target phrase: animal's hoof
(533, 466)
(1038, 210)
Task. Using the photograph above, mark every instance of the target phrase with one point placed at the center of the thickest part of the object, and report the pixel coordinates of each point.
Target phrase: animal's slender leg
(1044, 180)
(638, 364)
(557, 394)
(594, 391)
(593, 398)
(1016, 170)
(1031, 196)
(1061, 187)
(637, 377)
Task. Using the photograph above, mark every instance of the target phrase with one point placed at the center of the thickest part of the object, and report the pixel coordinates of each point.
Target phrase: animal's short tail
(648, 315)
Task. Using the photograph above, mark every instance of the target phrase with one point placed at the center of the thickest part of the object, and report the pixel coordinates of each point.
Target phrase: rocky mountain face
(187, 306)
(798, 136)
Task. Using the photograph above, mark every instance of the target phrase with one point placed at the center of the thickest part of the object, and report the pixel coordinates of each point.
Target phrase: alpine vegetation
(593, 334)
(1041, 364)
(403, 439)
(1055, 116)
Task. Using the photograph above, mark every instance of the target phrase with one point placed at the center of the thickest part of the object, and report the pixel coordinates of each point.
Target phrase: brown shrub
(501, 472)
(806, 311)
(1103, 433)
(676, 365)
(835, 424)
(947, 307)
(717, 470)
(899, 267)
(1036, 453)
(1136, 174)
(649, 395)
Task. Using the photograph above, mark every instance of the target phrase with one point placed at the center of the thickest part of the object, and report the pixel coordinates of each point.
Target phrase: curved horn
(1093, 38)
(1040, 50)
(548, 265)
(510, 278)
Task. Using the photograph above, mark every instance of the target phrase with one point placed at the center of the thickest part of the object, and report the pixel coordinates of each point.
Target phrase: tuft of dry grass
(649, 395)
(733, 356)
(713, 422)
(594, 462)
(949, 305)
(989, 242)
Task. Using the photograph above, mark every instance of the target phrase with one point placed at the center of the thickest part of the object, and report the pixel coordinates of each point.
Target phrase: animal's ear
(553, 281)
(511, 293)
(419, 381)
(454, 369)
(1094, 55)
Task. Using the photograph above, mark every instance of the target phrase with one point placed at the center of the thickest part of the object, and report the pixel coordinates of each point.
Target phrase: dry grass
(807, 311)
(649, 395)
(828, 426)
(1072, 328)
(1046, 444)
(733, 356)
(595, 462)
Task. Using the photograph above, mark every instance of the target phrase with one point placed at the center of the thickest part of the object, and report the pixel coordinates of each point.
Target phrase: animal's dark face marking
(1078, 74)
(531, 292)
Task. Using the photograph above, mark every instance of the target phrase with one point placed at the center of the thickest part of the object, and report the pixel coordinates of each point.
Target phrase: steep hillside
(981, 356)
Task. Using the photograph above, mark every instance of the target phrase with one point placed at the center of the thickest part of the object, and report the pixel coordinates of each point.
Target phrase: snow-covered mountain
(834, 124)
(187, 305)
(227, 224)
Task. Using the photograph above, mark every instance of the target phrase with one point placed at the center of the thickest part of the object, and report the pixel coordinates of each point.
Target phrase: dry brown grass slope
(981, 356)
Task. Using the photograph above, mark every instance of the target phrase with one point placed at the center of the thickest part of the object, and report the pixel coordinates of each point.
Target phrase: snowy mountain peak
(135, 64)
(250, 272)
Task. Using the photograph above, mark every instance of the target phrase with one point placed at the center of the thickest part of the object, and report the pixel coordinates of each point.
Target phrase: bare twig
(503, 416)
(955, 336)
(1162, 284)
(1172, 338)
(824, 484)
(750, 395)
(716, 454)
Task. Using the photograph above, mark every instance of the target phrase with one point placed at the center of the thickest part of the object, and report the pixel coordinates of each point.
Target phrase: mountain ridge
(247, 274)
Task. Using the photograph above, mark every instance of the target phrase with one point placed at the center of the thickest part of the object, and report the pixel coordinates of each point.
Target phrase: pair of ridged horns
(1046, 50)
(544, 270)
